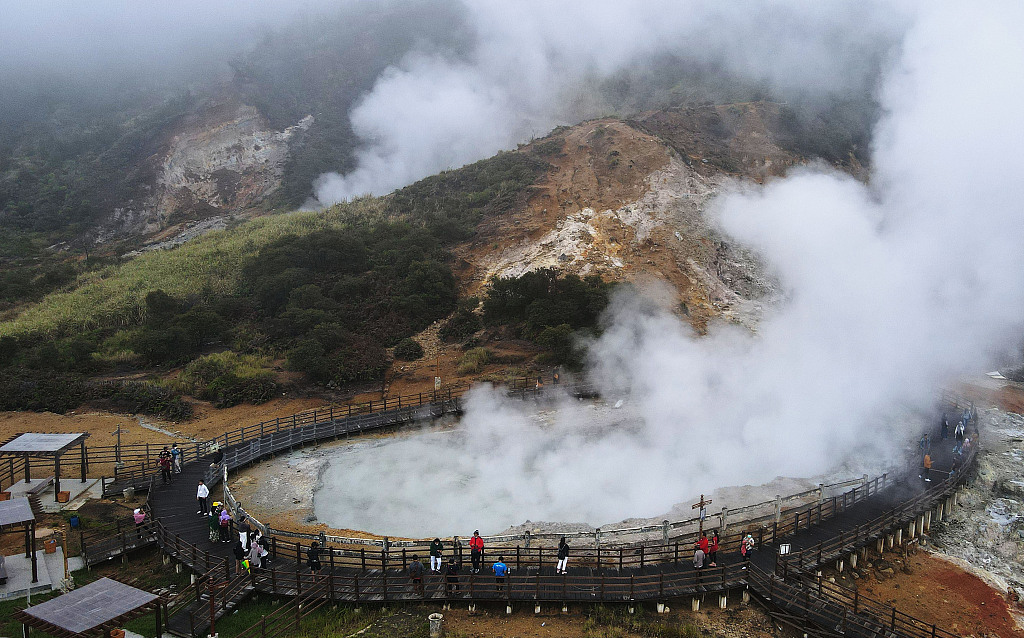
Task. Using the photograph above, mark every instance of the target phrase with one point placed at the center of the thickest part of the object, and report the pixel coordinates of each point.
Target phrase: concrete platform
(80, 492)
(50, 568)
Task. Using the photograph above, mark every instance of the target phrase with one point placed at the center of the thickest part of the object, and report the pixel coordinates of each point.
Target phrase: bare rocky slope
(629, 200)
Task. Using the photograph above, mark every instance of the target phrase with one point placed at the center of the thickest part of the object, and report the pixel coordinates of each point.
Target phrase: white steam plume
(892, 289)
(535, 61)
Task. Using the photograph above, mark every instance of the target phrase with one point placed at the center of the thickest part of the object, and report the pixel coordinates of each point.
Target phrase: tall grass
(209, 266)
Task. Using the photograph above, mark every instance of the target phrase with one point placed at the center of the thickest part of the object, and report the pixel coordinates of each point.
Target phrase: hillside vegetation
(330, 291)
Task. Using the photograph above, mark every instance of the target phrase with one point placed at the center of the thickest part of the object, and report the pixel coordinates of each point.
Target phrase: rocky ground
(986, 532)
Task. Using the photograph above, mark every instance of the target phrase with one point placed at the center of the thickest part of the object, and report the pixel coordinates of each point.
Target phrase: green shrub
(144, 397)
(408, 349)
(227, 379)
(49, 391)
(473, 361)
(463, 324)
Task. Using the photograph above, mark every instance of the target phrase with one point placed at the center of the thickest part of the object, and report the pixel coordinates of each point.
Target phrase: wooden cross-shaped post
(700, 514)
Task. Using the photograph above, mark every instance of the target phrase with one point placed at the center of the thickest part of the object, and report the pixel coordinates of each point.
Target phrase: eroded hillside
(631, 205)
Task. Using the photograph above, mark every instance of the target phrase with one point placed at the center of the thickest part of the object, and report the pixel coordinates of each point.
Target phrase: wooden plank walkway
(184, 533)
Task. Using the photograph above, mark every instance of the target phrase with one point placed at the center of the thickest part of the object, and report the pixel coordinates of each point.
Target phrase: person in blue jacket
(500, 572)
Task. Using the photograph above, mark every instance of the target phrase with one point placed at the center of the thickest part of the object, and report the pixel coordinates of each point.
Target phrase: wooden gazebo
(17, 513)
(90, 611)
(48, 446)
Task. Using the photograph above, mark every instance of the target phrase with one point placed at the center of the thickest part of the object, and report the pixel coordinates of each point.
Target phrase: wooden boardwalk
(815, 540)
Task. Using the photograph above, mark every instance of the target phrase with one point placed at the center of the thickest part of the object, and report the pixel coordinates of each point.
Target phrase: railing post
(298, 566)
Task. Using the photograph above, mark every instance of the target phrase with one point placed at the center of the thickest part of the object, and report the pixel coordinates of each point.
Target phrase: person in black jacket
(435, 555)
(239, 553)
(313, 557)
(451, 577)
(563, 557)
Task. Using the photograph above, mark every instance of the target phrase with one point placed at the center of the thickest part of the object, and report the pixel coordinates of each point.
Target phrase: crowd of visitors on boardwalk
(961, 441)
(250, 545)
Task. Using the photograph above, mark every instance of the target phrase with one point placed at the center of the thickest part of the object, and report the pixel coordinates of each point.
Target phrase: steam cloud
(892, 289)
(535, 65)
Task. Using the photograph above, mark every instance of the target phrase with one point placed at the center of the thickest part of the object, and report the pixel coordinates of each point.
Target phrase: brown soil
(936, 591)
(604, 164)
(738, 620)
(209, 421)
(735, 138)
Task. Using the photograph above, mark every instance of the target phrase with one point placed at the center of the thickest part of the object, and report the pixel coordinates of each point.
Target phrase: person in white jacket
(201, 495)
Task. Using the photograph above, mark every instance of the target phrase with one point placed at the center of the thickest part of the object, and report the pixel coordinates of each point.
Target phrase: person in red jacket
(713, 554)
(476, 546)
(705, 546)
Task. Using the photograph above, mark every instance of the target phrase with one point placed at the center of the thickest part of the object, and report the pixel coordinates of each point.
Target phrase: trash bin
(63, 496)
(50, 546)
(74, 521)
(129, 493)
(435, 624)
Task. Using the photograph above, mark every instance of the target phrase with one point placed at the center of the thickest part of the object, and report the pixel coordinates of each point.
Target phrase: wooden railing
(288, 617)
(371, 554)
(886, 615)
(603, 548)
(861, 534)
(396, 585)
(138, 462)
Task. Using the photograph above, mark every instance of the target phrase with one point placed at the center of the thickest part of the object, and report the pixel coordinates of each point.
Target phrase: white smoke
(535, 63)
(892, 289)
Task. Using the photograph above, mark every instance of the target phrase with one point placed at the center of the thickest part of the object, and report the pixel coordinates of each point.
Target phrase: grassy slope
(210, 265)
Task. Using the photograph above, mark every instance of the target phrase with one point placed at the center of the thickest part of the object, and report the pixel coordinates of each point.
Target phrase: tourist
(176, 458)
(225, 525)
(243, 531)
(261, 540)
(416, 574)
(214, 523)
(563, 557)
(944, 426)
(218, 457)
(476, 547)
(139, 517)
(500, 570)
(239, 553)
(698, 559)
(165, 464)
(713, 553)
(202, 493)
(451, 578)
(313, 557)
(927, 464)
(705, 546)
(435, 555)
(747, 549)
(255, 555)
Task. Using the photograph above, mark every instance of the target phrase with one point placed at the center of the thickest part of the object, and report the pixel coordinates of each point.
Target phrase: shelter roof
(15, 512)
(39, 443)
(86, 608)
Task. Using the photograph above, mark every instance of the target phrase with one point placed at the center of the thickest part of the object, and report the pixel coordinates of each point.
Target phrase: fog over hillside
(894, 288)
